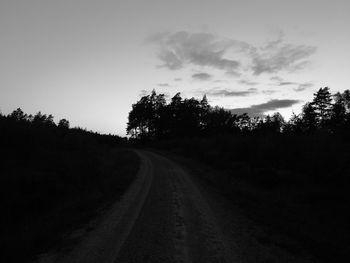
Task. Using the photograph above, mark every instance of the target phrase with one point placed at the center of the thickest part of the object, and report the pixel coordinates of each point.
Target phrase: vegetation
(318, 136)
(152, 118)
(290, 176)
(53, 180)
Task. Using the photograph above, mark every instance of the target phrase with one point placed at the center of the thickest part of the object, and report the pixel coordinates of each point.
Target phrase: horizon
(89, 61)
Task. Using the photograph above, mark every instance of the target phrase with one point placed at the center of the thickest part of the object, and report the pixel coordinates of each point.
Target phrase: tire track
(198, 237)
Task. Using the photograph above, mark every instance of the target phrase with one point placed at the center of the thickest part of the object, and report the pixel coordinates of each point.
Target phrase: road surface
(165, 217)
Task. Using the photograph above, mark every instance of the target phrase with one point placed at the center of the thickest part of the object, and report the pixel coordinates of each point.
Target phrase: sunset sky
(88, 61)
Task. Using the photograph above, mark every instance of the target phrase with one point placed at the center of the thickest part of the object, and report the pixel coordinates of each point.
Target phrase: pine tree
(322, 105)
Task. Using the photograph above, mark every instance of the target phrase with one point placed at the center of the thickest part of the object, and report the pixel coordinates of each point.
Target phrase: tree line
(291, 177)
(38, 119)
(153, 118)
(19, 122)
(54, 178)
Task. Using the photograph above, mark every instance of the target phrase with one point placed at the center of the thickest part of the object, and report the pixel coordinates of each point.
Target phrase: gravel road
(165, 216)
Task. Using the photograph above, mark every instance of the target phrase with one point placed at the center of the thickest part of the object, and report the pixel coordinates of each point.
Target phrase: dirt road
(165, 217)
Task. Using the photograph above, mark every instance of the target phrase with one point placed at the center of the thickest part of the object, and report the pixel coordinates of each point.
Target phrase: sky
(89, 61)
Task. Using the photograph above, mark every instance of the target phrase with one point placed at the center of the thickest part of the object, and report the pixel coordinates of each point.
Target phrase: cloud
(269, 91)
(273, 43)
(163, 85)
(260, 109)
(220, 92)
(201, 76)
(278, 57)
(287, 83)
(304, 86)
(247, 82)
(276, 78)
(253, 89)
(175, 50)
(300, 86)
(177, 79)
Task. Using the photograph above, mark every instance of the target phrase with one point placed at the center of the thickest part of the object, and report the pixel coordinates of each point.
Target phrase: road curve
(165, 216)
(175, 223)
(161, 218)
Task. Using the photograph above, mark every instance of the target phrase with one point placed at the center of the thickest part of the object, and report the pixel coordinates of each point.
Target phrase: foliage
(152, 118)
(291, 176)
(53, 179)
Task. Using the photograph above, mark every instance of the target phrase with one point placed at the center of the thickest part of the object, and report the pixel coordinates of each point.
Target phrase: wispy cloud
(178, 49)
(276, 78)
(299, 86)
(163, 85)
(143, 93)
(286, 83)
(221, 92)
(260, 109)
(278, 56)
(304, 86)
(253, 89)
(220, 81)
(201, 76)
(248, 83)
(269, 91)
(177, 79)
(281, 57)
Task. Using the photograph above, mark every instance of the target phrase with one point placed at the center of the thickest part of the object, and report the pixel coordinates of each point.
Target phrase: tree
(40, 119)
(63, 123)
(175, 114)
(322, 105)
(152, 118)
(18, 115)
(160, 116)
(49, 121)
(137, 125)
(340, 111)
(275, 123)
(346, 97)
(204, 111)
(146, 119)
(294, 125)
(243, 122)
(309, 118)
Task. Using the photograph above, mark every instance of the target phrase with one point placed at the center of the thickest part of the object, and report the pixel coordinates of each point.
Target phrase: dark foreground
(167, 215)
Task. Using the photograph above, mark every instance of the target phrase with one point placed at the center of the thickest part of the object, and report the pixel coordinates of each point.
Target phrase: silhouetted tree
(309, 121)
(18, 115)
(39, 119)
(218, 121)
(338, 112)
(151, 117)
(63, 123)
(138, 125)
(294, 125)
(322, 105)
(271, 124)
(204, 110)
(175, 114)
(243, 122)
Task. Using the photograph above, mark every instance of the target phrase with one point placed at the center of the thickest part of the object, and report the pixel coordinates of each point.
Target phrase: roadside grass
(53, 191)
(298, 213)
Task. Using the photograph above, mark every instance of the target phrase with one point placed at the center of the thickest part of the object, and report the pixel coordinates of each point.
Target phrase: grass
(49, 193)
(297, 213)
